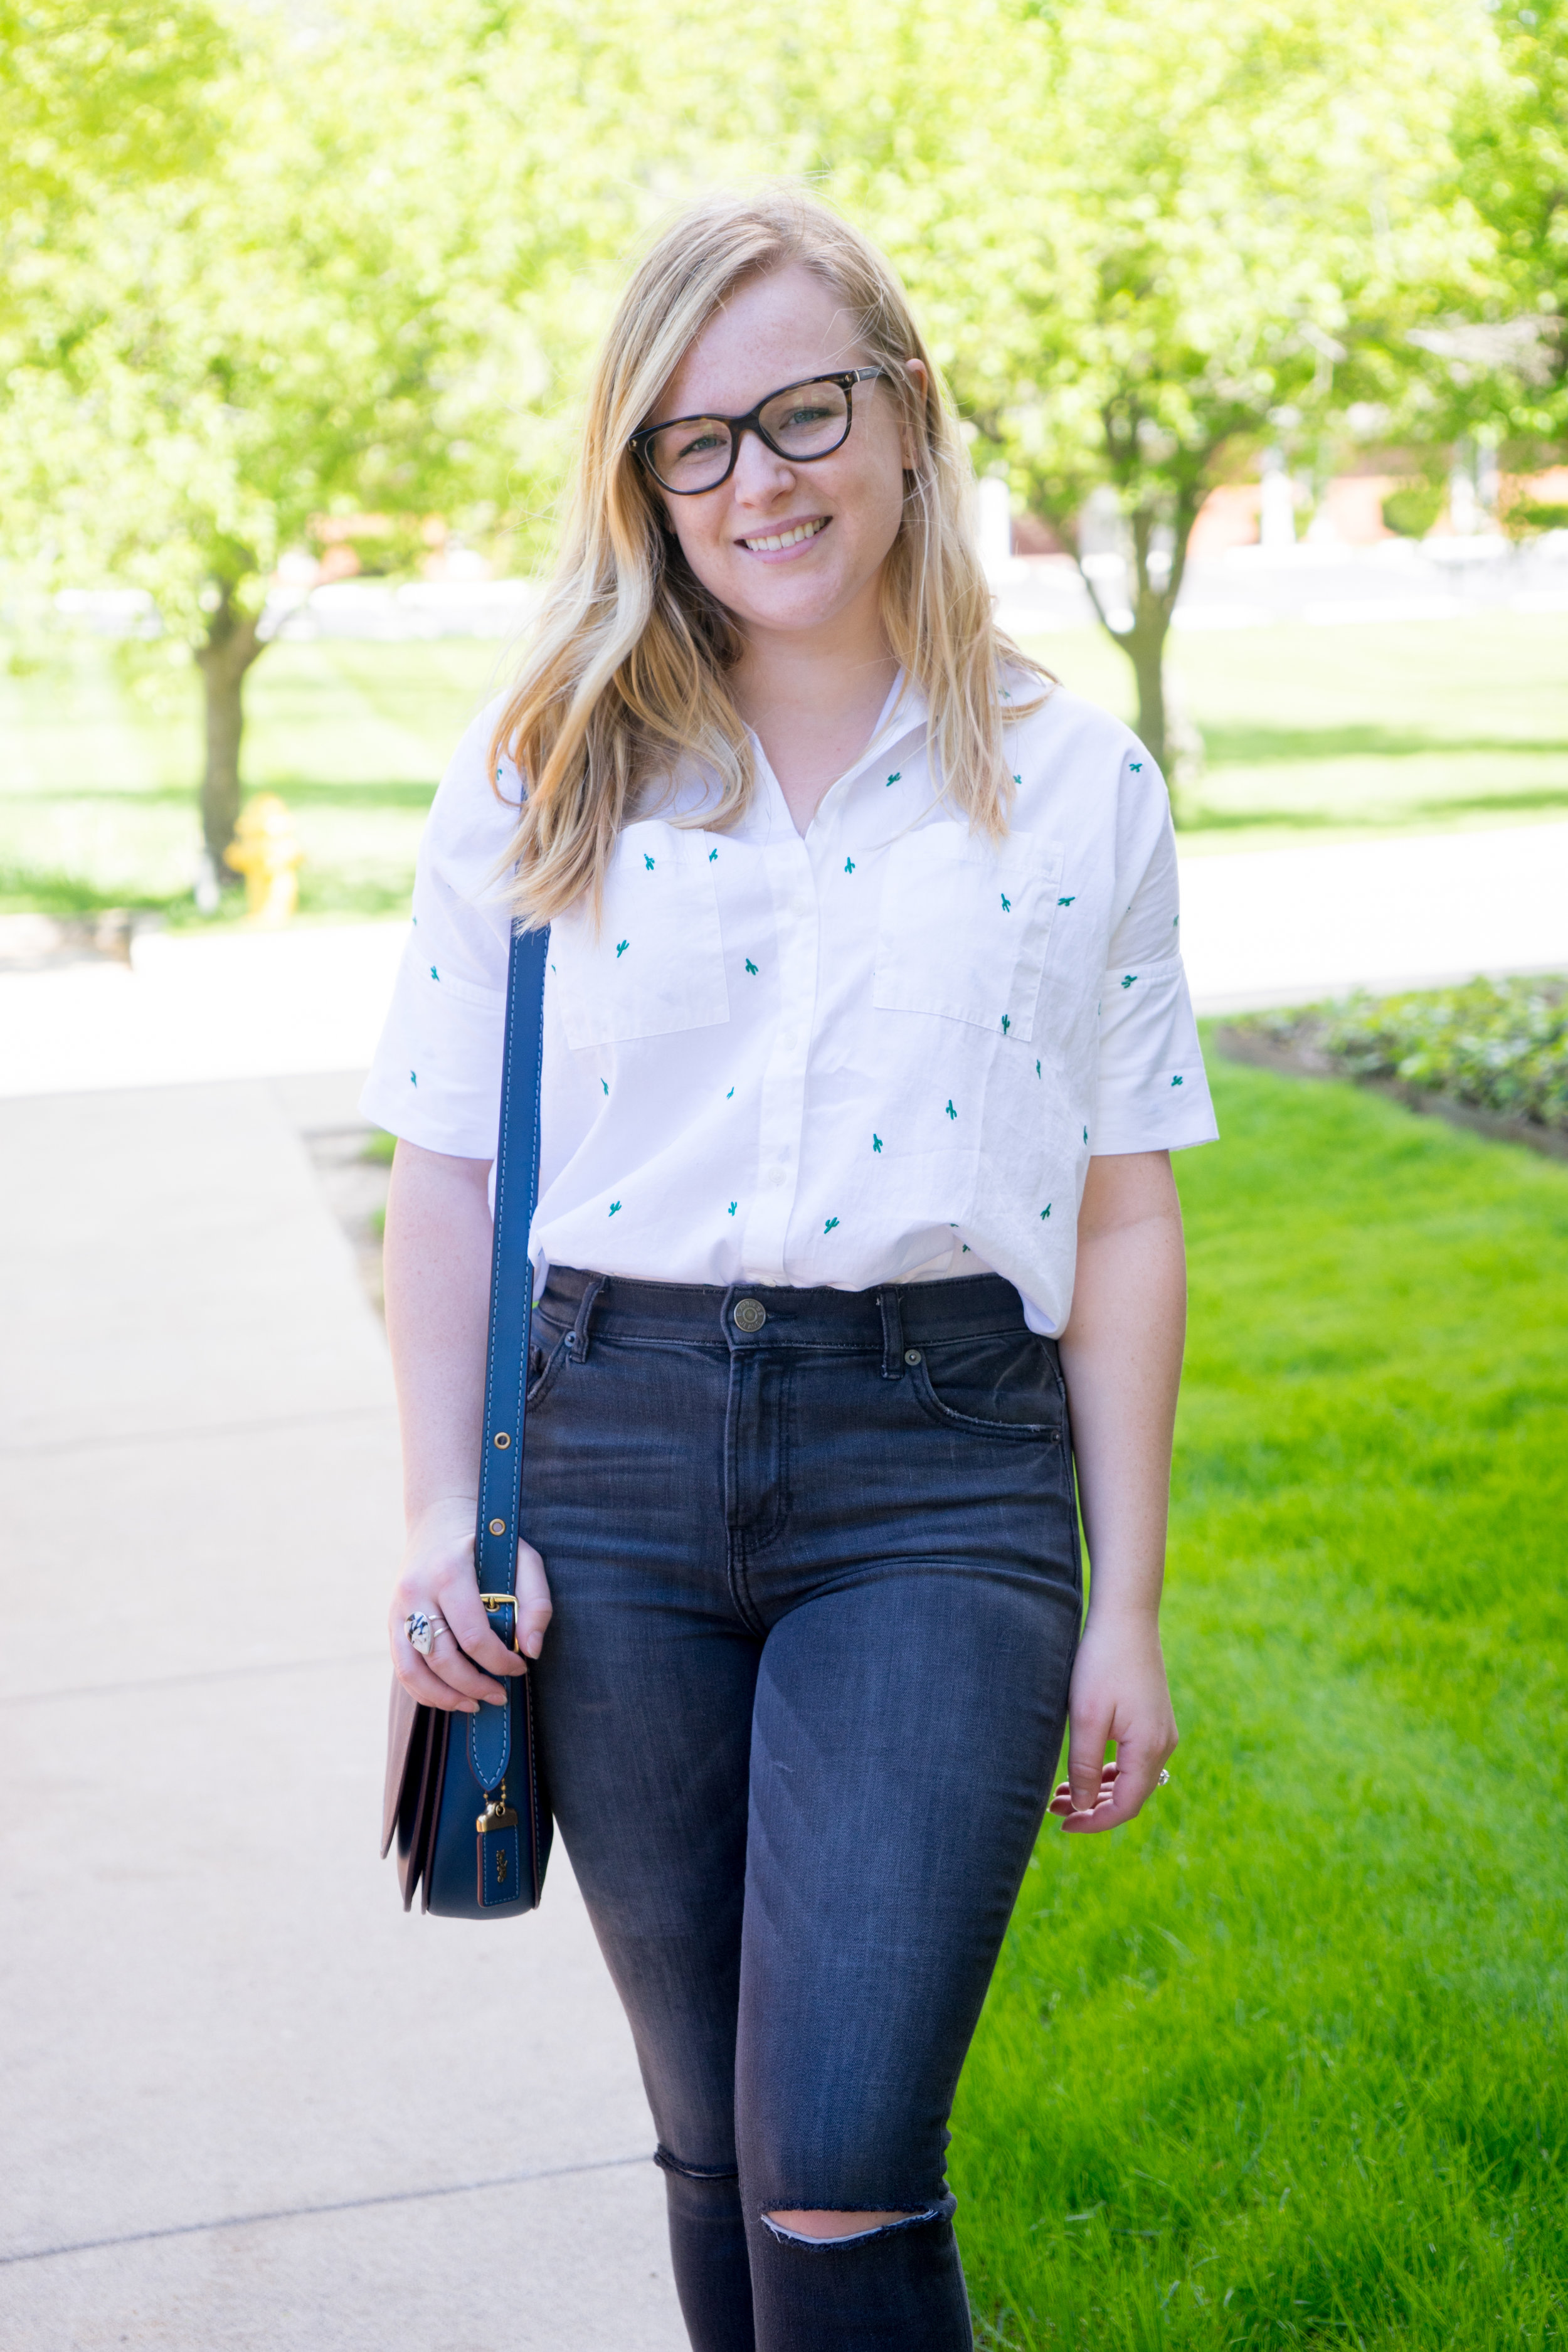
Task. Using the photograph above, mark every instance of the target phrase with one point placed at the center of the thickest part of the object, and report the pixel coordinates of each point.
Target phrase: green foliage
(1512, 143)
(1501, 1044)
(1526, 517)
(1282, 2063)
(1413, 508)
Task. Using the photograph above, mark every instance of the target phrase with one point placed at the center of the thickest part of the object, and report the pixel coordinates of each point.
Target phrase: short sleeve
(435, 1078)
(1154, 1091)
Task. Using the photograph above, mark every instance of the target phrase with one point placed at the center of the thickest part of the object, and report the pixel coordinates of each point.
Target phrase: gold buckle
(503, 1600)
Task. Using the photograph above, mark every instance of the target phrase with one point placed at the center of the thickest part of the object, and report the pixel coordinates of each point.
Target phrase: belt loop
(892, 1334)
(579, 1337)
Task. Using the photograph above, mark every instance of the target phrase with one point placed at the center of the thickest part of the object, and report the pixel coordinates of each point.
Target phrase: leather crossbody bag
(463, 1798)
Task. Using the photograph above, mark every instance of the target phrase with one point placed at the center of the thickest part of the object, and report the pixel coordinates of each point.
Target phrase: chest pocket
(656, 962)
(965, 926)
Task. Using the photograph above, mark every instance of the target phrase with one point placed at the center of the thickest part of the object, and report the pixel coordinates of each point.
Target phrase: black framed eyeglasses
(801, 421)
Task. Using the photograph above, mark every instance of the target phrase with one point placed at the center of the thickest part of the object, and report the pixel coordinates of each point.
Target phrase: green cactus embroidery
(827, 1228)
(1045, 1212)
(876, 1141)
(615, 1206)
(1006, 1023)
(606, 1084)
(750, 967)
(1136, 766)
(648, 861)
(433, 973)
(1085, 1135)
(621, 947)
(1067, 902)
(896, 774)
(951, 1112)
(1036, 1069)
(731, 1095)
(1006, 904)
(849, 865)
(1006, 696)
(1177, 1079)
(414, 1077)
(1128, 978)
(1018, 779)
(1174, 920)
(733, 1207)
(712, 854)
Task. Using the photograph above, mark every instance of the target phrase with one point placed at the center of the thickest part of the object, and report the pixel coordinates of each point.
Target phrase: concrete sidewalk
(248, 2102)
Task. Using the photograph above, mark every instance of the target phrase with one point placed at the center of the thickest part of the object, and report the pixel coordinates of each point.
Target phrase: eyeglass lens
(809, 421)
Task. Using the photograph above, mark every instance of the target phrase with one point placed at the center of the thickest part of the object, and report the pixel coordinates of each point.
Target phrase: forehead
(770, 332)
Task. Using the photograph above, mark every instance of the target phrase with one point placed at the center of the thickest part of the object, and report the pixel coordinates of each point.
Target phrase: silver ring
(1164, 1780)
(422, 1627)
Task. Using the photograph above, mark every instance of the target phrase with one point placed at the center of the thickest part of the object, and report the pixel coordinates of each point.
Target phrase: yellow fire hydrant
(266, 850)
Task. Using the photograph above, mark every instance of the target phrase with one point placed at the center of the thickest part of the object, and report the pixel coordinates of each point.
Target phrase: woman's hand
(438, 1577)
(1118, 1692)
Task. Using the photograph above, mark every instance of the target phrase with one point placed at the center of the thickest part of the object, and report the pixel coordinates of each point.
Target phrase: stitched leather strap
(512, 1310)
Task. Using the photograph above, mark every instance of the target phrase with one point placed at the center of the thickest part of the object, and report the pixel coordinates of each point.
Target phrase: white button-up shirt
(881, 1052)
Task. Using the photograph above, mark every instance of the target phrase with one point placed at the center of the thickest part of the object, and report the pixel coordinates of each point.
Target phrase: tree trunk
(1144, 645)
(231, 646)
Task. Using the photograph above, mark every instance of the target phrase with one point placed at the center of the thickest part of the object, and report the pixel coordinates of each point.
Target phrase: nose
(760, 474)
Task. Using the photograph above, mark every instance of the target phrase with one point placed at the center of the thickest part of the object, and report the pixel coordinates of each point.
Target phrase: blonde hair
(626, 678)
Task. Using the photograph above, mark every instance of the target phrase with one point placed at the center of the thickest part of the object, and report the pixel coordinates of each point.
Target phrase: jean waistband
(918, 1313)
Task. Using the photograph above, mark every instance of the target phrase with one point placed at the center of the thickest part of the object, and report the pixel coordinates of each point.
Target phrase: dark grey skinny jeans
(817, 1593)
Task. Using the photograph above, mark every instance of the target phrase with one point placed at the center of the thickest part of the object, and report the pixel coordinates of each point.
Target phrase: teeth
(787, 537)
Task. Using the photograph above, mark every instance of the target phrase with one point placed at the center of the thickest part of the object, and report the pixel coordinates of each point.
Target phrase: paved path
(1259, 927)
(247, 2103)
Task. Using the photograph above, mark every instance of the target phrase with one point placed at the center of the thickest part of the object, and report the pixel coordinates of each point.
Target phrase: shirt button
(773, 1179)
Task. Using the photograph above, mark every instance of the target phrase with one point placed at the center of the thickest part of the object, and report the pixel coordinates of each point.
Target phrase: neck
(812, 698)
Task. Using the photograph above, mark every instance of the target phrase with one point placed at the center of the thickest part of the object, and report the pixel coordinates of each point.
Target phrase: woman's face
(773, 331)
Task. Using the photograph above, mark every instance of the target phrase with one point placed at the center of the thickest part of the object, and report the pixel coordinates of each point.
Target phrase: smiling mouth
(774, 541)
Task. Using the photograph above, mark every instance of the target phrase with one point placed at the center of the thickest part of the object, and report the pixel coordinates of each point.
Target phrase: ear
(917, 370)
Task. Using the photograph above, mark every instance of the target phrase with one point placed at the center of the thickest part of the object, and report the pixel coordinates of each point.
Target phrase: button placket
(782, 1092)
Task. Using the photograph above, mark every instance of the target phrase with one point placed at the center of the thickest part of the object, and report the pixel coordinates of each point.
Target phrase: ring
(422, 1626)
(1164, 1780)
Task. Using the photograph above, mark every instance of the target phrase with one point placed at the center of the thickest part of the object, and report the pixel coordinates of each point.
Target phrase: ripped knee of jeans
(834, 2228)
(668, 2161)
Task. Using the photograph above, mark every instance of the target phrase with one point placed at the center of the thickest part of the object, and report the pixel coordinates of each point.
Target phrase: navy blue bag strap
(512, 1276)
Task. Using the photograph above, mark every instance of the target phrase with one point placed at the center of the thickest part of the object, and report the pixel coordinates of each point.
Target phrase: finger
(1061, 1798)
(1140, 1772)
(534, 1609)
(470, 1629)
(460, 1672)
(428, 1688)
(1086, 1759)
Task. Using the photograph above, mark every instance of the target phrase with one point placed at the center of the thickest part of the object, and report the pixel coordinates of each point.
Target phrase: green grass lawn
(1309, 731)
(1314, 731)
(1284, 2063)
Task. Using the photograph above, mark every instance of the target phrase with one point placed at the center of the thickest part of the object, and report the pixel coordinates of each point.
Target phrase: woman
(867, 1041)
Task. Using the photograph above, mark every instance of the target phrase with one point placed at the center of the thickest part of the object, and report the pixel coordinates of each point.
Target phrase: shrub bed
(1500, 1046)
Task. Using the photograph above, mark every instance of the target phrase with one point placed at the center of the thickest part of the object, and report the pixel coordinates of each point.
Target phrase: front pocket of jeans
(656, 962)
(989, 1385)
(965, 926)
(544, 1379)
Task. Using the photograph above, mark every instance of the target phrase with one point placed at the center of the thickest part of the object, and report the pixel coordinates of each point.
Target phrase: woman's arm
(438, 1270)
(1121, 1359)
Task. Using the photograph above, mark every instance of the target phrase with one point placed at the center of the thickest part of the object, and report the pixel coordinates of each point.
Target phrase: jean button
(750, 1315)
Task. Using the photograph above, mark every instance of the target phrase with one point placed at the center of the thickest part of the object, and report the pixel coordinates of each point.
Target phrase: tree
(1155, 234)
(359, 296)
